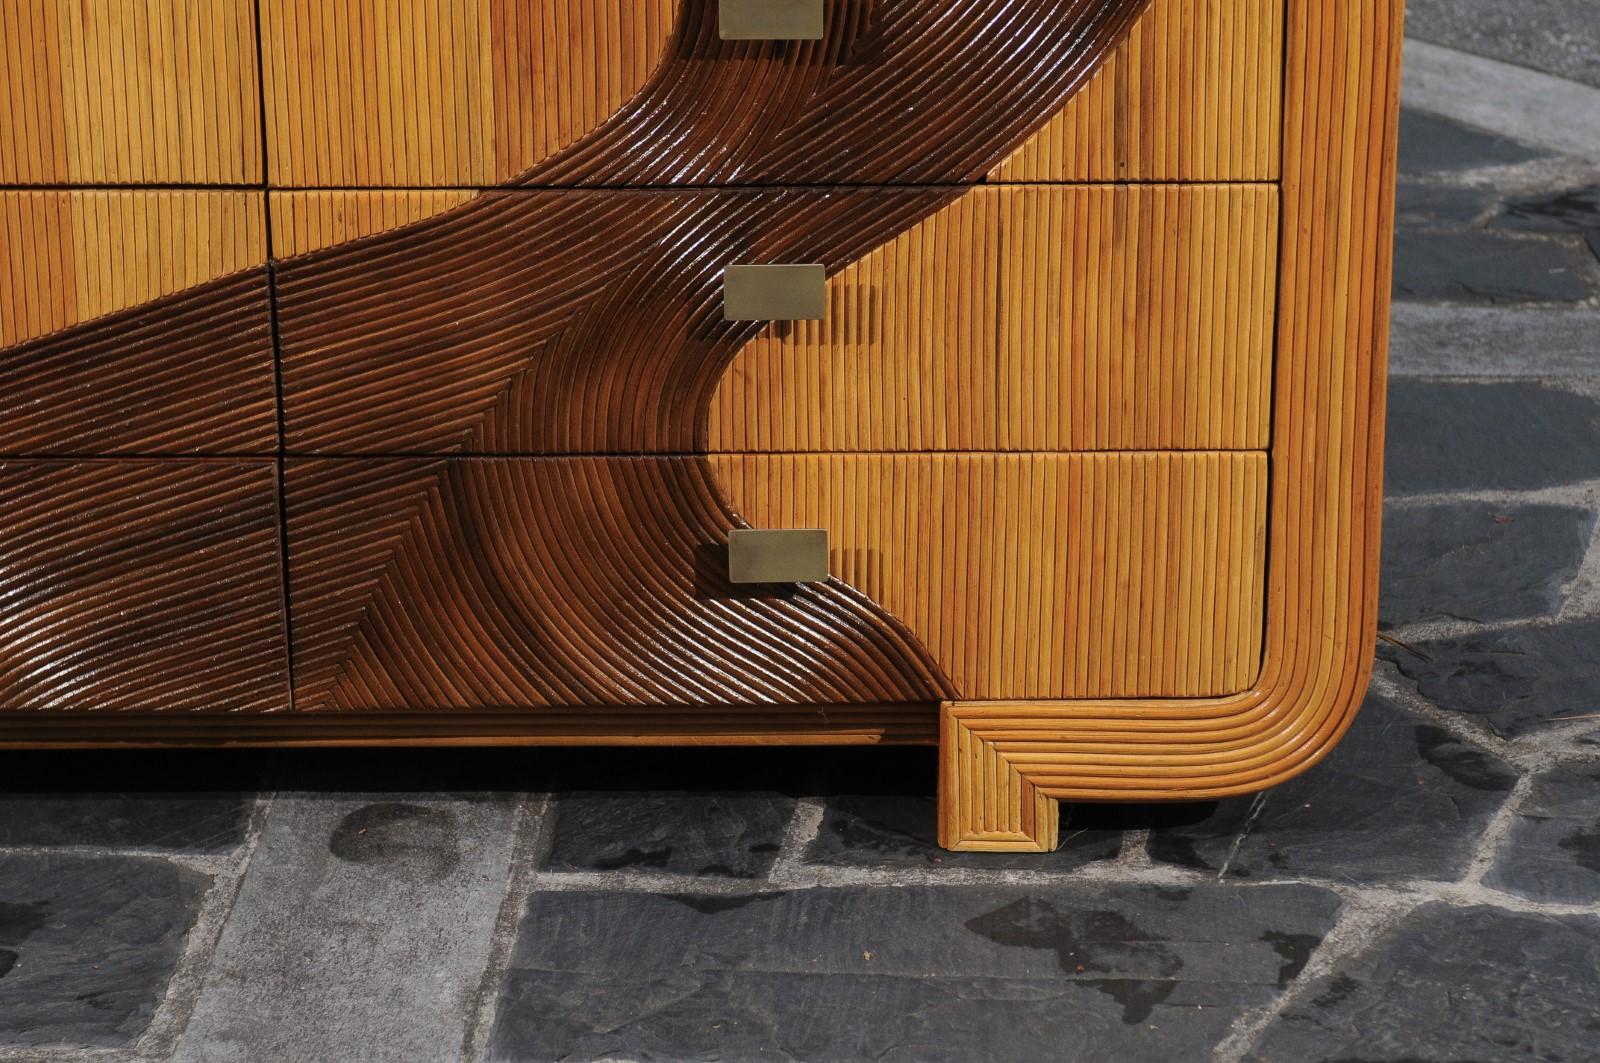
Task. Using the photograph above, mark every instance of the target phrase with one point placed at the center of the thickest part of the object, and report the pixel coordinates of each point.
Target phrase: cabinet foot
(985, 804)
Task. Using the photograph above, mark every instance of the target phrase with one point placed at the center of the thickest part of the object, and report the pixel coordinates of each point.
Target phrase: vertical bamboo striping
(309, 221)
(1032, 318)
(458, 93)
(66, 257)
(1194, 94)
(1042, 575)
(1342, 101)
(129, 92)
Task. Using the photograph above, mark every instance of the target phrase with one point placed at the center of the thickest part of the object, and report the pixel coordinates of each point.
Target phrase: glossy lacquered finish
(443, 434)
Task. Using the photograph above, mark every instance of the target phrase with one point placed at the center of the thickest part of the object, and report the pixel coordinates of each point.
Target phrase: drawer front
(1040, 318)
(462, 584)
(1034, 318)
(141, 586)
(474, 93)
(135, 322)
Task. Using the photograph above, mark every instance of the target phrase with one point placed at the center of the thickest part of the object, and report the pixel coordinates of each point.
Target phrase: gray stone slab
(1473, 266)
(189, 823)
(1468, 437)
(721, 834)
(900, 831)
(1420, 204)
(1493, 341)
(1560, 210)
(88, 944)
(1397, 799)
(1553, 850)
(1556, 36)
(1450, 985)
(1430, 144)
(1571, 210)
(912, 973)
(1479, 562)
(360, 934)
(1517, 681)
(1556, 114)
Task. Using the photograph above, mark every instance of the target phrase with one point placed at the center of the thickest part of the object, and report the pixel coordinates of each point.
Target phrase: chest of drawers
(366, 375)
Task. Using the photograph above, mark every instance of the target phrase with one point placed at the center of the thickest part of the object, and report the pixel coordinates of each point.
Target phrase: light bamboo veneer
(1194, 94)
(1113, 317)
(129, 92)
(307, 221)
(68, 257)
(1042, 575)
(446, 92)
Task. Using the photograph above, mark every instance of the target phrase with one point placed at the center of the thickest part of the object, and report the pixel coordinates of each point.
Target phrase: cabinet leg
(985, 804)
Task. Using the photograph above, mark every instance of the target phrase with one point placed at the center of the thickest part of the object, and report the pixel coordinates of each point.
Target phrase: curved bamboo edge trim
(999, 760)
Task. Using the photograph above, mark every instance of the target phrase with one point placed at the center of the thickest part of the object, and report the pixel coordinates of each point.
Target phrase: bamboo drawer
(499, 583)
(477, 93)
(1047, 318)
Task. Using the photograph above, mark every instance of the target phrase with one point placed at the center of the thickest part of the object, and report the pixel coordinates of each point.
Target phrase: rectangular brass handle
(793, 555)
(770, 20)
(775, 293)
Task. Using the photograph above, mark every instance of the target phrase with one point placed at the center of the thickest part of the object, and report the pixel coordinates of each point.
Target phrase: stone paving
(1558, 36)
(1430, 892)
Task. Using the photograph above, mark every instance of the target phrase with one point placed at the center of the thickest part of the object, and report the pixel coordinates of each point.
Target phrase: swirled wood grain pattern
(857, 106)
(490, 583)
(189, 373)
(589, 322)
(135, 585)
(135, 322)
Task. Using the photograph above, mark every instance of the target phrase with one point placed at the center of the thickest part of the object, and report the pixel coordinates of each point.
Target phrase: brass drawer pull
(760, 555)
(770, 20)
(775, 293)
